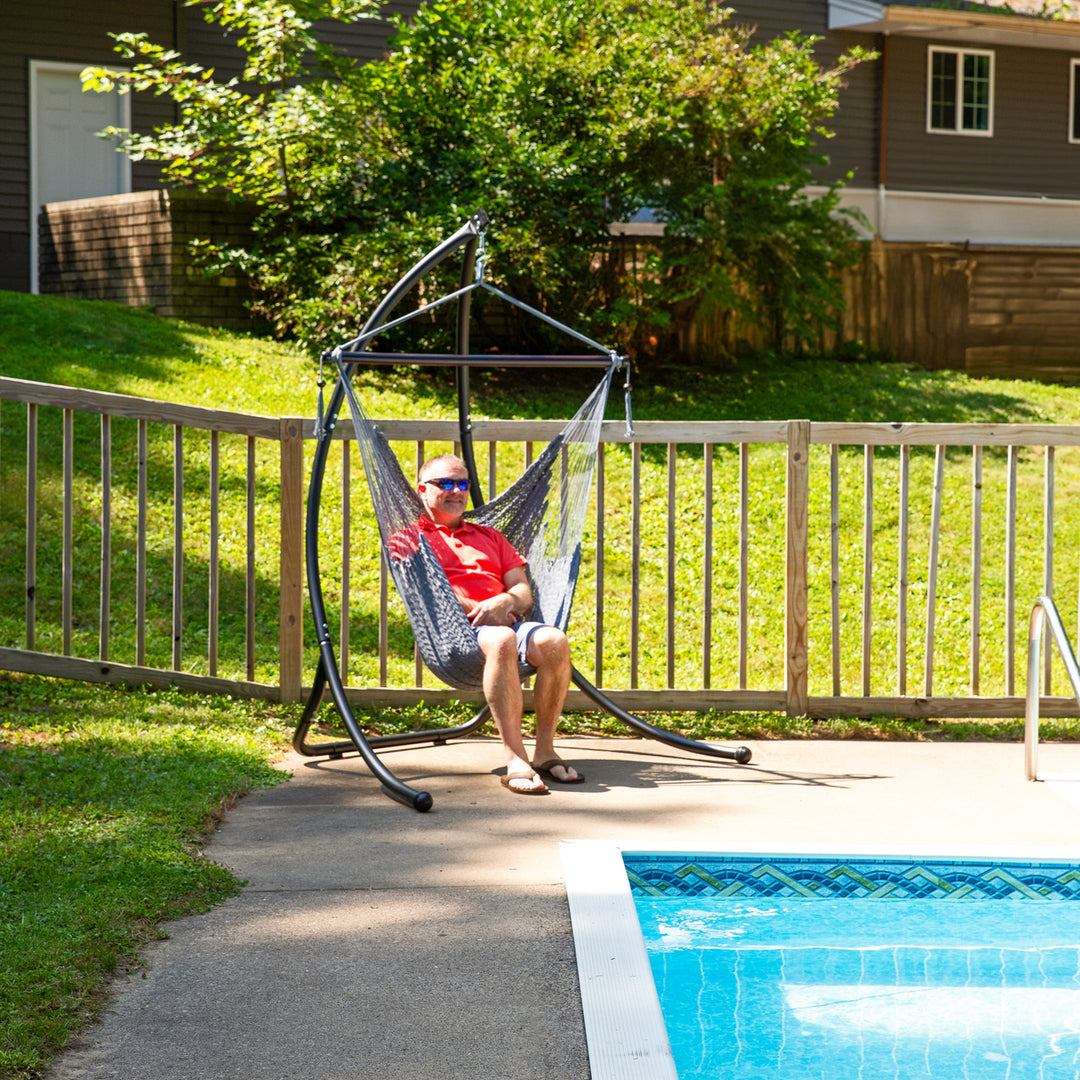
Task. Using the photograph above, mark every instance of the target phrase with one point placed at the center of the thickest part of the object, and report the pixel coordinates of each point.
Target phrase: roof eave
(979, 27)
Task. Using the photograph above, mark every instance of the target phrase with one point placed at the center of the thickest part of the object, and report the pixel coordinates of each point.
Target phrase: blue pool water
(838, 968)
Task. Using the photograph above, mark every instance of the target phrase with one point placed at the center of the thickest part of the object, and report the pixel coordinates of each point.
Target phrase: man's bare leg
(549, 653)
(502, 689)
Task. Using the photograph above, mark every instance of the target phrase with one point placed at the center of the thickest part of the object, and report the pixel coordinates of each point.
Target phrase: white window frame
(959, 53)
(123, 164)
(1074, 86)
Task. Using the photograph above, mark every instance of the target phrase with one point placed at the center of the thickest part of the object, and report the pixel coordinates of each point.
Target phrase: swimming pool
(806, 965)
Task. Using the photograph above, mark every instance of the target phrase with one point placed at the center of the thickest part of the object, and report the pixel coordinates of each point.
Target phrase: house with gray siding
(962, 141)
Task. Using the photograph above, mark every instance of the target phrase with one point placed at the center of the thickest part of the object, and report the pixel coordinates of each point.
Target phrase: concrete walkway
(372, 941)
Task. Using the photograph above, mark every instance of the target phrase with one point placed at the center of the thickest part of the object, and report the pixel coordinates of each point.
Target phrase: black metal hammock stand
(542, 514)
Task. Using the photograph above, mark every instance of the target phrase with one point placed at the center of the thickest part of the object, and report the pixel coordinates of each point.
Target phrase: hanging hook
(481, 256)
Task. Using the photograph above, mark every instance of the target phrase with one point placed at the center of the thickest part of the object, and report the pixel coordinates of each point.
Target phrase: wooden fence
(822, 569)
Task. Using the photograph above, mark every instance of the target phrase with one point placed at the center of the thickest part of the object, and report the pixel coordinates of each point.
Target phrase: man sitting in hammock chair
(488, 577)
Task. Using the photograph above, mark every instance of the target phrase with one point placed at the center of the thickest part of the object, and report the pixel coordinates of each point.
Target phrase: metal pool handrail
(1044, 609)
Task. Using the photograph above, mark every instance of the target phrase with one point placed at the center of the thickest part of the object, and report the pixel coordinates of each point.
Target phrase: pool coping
(625, 1031)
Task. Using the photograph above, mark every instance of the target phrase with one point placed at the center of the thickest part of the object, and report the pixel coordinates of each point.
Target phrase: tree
(558, 117)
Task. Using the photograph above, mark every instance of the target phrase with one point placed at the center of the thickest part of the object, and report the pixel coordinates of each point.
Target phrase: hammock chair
(542, 514)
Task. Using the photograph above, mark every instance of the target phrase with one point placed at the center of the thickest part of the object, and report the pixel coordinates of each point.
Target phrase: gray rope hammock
(542, 515)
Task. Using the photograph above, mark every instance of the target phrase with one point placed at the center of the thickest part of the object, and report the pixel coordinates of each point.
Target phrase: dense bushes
(558, 117)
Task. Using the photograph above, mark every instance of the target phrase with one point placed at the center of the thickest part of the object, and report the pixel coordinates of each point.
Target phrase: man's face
(444, 507)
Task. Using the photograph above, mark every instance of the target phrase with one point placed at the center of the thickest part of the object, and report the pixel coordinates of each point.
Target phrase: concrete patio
(372, 941)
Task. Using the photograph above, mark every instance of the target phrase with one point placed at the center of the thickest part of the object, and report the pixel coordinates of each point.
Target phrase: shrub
(557, 118)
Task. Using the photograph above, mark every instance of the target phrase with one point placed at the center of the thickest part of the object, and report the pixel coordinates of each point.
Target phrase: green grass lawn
(105, 797)
(106, 794)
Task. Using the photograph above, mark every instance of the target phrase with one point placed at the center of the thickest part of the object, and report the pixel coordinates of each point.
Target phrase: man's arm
(506, 607)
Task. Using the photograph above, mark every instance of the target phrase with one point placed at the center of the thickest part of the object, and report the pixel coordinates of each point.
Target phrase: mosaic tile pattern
(746, 877)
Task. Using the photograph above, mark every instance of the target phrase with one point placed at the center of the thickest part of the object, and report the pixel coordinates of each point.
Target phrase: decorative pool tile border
(825, 878)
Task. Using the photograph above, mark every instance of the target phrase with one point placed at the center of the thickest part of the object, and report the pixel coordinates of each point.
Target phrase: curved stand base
(421, 801)
(365, 745)
(326, 673)
(741, 754)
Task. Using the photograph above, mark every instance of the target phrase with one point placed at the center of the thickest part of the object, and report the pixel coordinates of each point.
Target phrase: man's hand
(494, 611)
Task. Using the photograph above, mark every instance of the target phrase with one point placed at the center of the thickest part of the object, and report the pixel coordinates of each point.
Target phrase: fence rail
(850, 569)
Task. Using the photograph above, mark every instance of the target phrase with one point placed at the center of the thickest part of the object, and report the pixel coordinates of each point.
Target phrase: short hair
(437, 460)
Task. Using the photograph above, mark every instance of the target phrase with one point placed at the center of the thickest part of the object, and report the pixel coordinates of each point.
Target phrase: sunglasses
(445, 483)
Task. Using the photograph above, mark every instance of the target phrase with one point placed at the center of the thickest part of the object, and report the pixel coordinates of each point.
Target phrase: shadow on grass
(44, 335)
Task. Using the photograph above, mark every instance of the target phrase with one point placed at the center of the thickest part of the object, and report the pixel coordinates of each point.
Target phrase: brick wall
(134, 249)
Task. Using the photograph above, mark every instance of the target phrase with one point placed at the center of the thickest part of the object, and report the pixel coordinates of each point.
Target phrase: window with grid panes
(960, 91)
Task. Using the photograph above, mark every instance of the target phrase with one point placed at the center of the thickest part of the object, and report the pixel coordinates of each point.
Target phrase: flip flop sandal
(522, 775)
(544, 769)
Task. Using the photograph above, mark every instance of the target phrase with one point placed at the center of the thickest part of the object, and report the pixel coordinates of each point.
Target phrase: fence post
(796, 603)
(291, 628)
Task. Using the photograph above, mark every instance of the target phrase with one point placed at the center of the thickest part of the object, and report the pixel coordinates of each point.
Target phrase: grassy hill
(107, 347)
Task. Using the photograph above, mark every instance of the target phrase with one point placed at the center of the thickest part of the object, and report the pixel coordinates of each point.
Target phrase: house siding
(854, 145)
(364, 40)
(1028, 154)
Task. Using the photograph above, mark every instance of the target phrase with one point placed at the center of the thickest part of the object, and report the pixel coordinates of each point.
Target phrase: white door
(67, 159)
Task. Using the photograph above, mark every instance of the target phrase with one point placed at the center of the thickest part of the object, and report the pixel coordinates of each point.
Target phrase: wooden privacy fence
(823, 569)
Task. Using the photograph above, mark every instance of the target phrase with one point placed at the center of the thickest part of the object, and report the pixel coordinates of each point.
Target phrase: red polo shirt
(475, 557)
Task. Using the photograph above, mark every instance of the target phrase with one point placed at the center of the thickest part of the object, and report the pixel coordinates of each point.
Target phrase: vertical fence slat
(105, 575)
(706, 570)
(291, 569)
(796, 582)
(31, 523)
(68, 569)
(834, 562)
(635, 561)
(976, 565)
(1010, 575)
(249, 561)
(140, 545)
(346, 560)
(384, 622)
(493, 472)
(178, 548)
(672, 457)
(744, 561)
(902, 570)
(214, 578)
(598, 663)
(932, 568)
(868, 567)
(1048, 559)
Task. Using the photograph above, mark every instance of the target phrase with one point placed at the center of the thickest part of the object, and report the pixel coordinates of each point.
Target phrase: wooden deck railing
(127, 528)
(821, 569)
